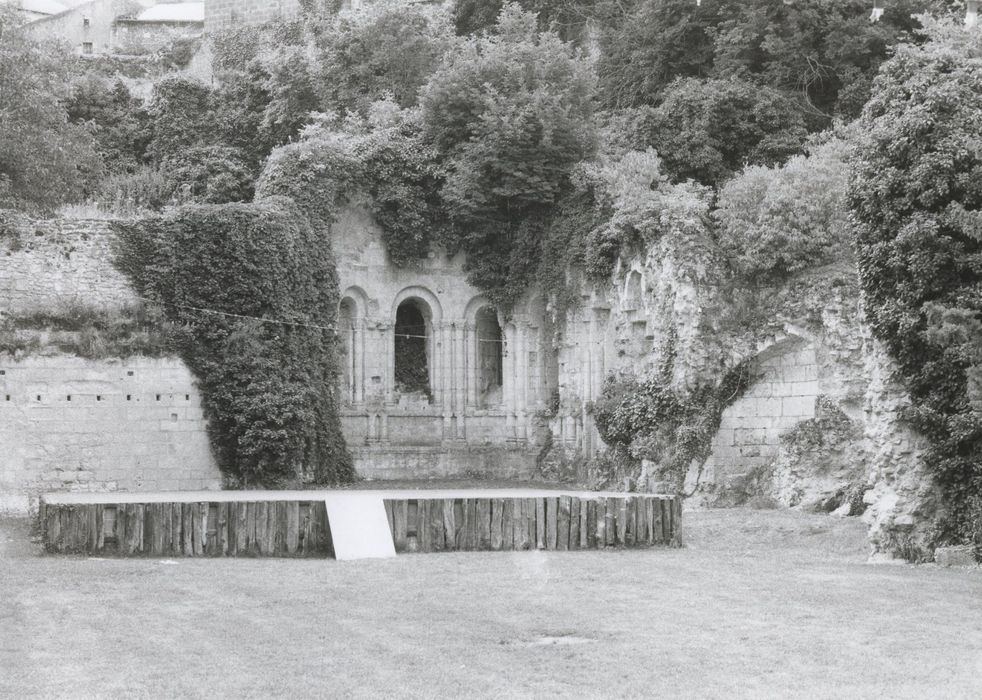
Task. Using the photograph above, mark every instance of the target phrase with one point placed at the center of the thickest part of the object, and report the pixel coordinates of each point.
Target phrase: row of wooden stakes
(557, 523)
(302, 528)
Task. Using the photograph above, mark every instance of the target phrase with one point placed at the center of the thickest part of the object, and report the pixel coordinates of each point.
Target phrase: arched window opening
(489, 357)
(412, 348)
(346, 336)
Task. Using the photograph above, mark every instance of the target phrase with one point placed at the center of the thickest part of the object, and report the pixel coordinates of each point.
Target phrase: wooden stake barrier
(301, 528)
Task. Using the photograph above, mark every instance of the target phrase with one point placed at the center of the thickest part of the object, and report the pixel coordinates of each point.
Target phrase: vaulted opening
(412, 347)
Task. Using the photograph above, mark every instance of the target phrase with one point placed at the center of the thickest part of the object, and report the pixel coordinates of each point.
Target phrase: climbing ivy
(268, 387)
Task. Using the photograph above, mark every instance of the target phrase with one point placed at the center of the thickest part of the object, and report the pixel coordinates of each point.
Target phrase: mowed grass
(758, 605)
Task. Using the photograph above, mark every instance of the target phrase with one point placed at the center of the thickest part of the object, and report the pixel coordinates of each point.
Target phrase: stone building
(87, 28)
(435, 381)
(120, 26)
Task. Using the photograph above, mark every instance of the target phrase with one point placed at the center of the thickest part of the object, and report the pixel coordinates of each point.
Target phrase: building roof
(174, 12)
(42, 7)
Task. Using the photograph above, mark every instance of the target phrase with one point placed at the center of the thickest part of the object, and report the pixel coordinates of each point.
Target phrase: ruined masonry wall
(750, 431)
(54, 264)
(70, 424)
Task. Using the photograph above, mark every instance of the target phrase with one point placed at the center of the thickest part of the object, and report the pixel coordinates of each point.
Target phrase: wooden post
(562, 523)
(507, 523)
(552, 522)
(449, 525)
(621, 515)
(630, 522)
(540, 523)
(584, 523)
(574, 523)
(497, 505)
(400, 514)
(483, 524)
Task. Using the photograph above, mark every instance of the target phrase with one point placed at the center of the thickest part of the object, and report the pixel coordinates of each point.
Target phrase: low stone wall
(69, 424)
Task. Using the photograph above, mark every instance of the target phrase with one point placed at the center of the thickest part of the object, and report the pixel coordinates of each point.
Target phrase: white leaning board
(359, 527)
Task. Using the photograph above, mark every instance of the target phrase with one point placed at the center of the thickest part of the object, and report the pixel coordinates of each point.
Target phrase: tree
(568, 18)
(266, 87)
(509, 113)
(116, 118)
(386, 51)
(916, 196)
(179, 116)
(825, 53)
(649, 44)
(45, 160)
(708, 129)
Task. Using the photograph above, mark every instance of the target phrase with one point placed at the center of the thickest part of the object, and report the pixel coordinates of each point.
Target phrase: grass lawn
(759, 604)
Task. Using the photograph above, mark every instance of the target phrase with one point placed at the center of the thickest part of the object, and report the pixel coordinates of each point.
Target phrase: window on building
(87, 47)
(85, 22)
(412, 347)
(346, 334)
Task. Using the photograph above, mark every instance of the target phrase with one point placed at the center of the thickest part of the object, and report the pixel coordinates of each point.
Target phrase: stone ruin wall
(71, 424)
(865, 457)
(68, 423)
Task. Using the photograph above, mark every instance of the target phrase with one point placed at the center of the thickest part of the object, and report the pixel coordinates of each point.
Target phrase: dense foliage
(773, 222)
(916, 195)
(648, 419)
(45, 159)
(385, 52)
(268, 387)
(706, 130)
(510, 114)
(823, 53)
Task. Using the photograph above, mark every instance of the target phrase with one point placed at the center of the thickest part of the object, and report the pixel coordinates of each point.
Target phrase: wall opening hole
(412, 348)
(489, 356)
(158, 397)
(128, 397)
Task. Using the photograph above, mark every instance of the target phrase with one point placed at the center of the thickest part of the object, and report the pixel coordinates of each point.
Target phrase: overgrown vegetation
(88, 332)
(916, 195)
(264, 354)
(649, 419)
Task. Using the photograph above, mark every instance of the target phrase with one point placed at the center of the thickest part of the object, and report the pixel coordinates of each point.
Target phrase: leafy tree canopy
(388, 51)
(825, 53)
(509, 113)
(707, 130)
(45, 159)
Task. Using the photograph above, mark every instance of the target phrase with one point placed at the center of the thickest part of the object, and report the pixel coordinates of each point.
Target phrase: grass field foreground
(759, 604)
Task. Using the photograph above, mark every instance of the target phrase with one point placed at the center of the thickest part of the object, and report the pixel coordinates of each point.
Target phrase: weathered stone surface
(130, 425)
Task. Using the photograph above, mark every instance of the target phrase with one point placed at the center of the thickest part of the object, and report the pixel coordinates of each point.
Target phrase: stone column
(521, 384)
(471, 364)
(358, 343)
(458, 345)
(508, 377)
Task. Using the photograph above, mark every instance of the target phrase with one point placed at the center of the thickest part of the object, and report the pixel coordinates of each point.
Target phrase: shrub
(210, 174)
(671, 427)
(773, 222)
(264, 354)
